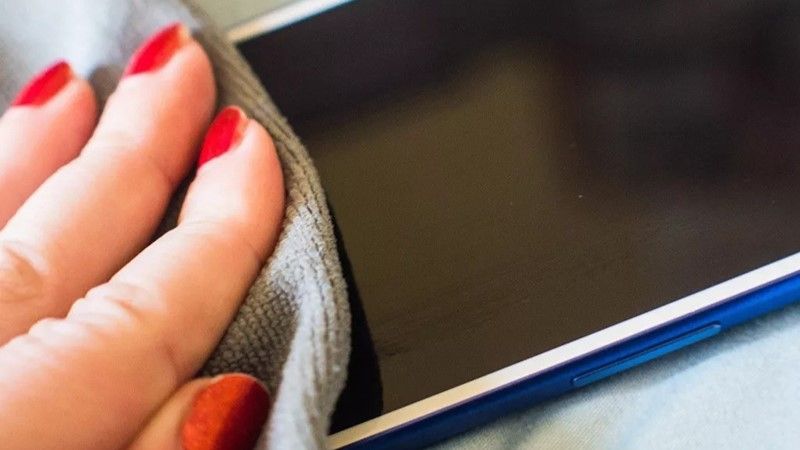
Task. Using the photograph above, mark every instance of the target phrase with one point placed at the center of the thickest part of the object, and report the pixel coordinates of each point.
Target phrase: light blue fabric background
(740, 390)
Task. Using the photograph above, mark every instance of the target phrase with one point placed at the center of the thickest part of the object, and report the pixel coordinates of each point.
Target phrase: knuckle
(120, 151)
(225, 233)
(112, 140)
(47, 333)
(129, 313)
(22, 277)
(120, 303)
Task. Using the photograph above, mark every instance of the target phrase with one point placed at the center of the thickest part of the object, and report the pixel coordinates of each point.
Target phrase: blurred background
(232, 12)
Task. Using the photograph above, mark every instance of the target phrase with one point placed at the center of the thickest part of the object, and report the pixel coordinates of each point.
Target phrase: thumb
(222, 413)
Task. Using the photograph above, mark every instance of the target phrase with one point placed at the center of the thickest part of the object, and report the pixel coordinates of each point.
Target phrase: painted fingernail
(45, 85)
(225, 131)
(227, 415)
(158, 49)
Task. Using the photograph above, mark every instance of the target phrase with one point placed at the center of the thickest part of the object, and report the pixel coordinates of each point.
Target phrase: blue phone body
(624, 355)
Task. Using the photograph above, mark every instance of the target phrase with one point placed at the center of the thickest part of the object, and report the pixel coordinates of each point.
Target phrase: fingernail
(45, 85)
(225, 131)
(227, 415)
(158, 49)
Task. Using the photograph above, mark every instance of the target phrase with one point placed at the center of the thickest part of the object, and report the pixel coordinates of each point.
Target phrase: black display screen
(509, 176)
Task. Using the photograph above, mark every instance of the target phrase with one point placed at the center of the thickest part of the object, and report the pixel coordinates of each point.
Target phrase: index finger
(46, 127)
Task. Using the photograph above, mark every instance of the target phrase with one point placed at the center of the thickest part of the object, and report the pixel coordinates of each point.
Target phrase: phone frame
(625, 345)
(617, 348)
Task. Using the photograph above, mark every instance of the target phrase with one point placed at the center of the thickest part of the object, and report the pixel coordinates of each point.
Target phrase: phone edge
(549, 374)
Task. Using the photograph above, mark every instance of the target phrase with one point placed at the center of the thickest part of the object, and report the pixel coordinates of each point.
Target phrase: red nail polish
(225, 131)
(227, 415)
(45, 85)
(158, 49)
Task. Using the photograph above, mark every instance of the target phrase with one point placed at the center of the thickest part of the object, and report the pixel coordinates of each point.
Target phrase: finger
(128, 345)
(226, 412)
(162, 432)
(99, 210)
(47, 125)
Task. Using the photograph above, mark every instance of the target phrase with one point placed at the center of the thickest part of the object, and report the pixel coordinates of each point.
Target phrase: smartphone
(534, 196)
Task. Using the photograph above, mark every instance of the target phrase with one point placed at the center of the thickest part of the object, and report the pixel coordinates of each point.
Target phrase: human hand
(99, 331)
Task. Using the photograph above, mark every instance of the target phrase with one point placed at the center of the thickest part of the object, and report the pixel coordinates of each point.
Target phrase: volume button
(649, 354)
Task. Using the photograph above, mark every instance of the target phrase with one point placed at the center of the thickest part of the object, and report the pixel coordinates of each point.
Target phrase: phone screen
(510, 176)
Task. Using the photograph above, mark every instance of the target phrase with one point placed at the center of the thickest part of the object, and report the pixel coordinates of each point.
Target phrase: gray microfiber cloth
(292, 331)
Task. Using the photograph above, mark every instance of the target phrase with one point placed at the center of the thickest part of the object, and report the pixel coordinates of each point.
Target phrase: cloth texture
(292, 331)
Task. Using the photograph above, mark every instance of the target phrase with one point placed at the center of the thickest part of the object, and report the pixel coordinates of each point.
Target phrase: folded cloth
(292, 331)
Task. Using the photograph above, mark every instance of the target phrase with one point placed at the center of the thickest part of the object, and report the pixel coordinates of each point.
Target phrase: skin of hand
(101, 330)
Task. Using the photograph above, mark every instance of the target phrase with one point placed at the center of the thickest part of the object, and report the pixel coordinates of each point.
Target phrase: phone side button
(644, 356)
